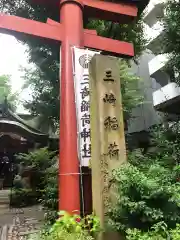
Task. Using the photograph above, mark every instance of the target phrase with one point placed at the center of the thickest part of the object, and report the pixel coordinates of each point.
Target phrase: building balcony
(155, 36)
(157, 65)
(167, 99)
(154, 11)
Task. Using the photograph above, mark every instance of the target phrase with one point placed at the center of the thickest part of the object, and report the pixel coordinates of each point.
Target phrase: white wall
(144, 116)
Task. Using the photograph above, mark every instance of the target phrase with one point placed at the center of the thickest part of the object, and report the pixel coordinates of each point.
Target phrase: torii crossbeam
(70, 32)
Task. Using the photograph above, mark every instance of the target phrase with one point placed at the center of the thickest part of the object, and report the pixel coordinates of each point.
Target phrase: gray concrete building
(161, 95)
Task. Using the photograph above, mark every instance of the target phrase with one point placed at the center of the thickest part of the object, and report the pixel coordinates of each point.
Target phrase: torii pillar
(70, 32)
(69, 163)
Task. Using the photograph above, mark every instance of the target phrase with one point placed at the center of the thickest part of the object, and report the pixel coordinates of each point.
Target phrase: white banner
(82, 58)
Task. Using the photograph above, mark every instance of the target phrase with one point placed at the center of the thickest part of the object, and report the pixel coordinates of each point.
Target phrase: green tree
(170, 43)
(6, 92)
(44, 184)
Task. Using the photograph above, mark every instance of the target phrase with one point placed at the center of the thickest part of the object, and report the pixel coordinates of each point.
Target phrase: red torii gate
(70, 32)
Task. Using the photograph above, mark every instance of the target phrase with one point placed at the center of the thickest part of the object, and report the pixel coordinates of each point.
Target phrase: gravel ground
(17, 223)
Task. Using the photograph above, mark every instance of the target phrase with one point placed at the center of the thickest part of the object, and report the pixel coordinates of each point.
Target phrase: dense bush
(49, 198)
(157, 232)
(71, 227)
(39, 161)
(23, 197)
(148, 188)
(43, 172)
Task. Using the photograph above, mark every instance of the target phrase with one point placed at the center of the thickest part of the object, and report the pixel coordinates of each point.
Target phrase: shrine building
(18, 134)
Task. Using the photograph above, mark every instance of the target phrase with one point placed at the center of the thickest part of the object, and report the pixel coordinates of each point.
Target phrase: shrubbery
(71, 227)
(39, 161)
(149, 190)
(49, 198)
(157, 232)
(43, 190)
(23, 198)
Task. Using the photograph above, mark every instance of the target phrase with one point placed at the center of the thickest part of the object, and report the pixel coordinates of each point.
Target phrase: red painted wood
(69, 191)
(52, 22)
(113, 47)
(90, 31)
(34, 28)
(54, 31)
(117, 12)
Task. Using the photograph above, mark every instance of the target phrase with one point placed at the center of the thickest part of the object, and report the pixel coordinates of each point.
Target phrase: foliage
(43, 177)
(131, 97)
(39, 161)
(158, 232)
(44, 81)
(170, 43)
(6, 92)
(23, 197)
(148, 187)
(40, 158)
(132, 32)
(71, 227)
(175, 233)
(49, 198)
(45, 94)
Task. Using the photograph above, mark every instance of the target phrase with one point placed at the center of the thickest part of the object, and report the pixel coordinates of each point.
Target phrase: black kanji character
(111, 123)
(113, 150)
(85, 119)
(86, 151)
(85, 79)
(85, 134)
(85, 105)
(109, 98)
(84, 92)
(108, 77)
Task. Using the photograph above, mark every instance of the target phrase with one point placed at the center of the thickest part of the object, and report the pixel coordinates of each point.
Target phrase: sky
(12, 56)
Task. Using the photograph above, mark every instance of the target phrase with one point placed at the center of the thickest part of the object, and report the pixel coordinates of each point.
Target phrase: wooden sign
(107, 130)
